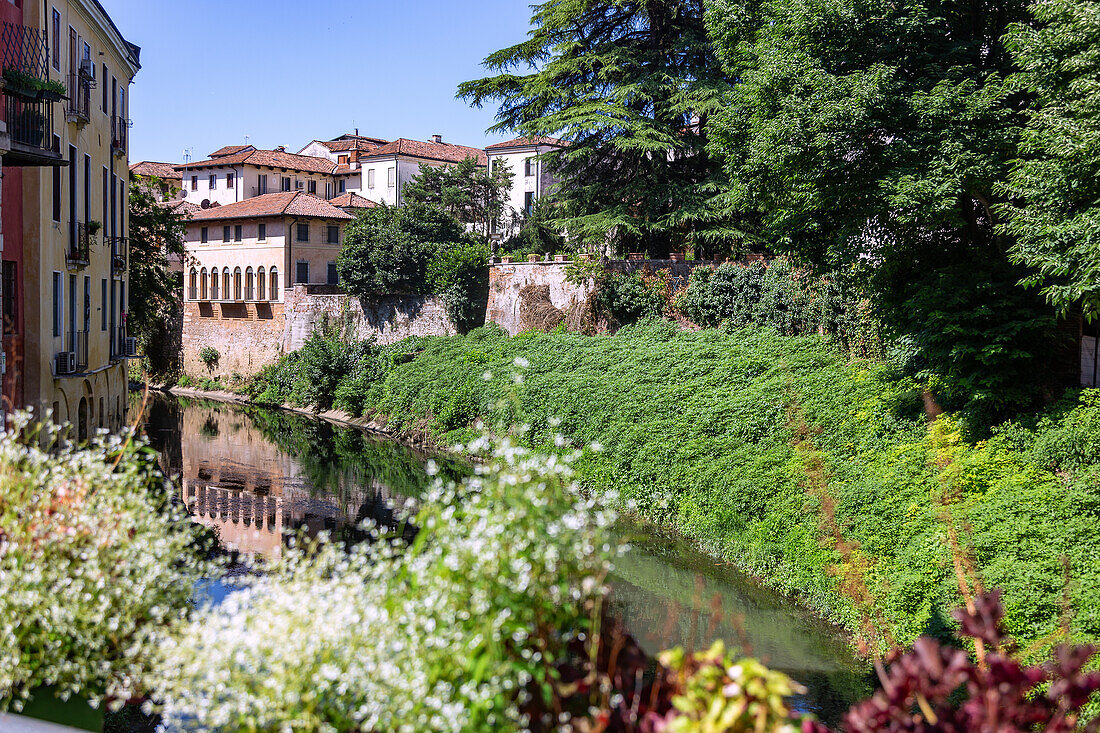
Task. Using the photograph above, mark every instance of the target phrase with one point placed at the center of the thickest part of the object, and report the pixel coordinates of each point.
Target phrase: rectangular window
(301, 272)
(56, 304)
(391, 177)
(213, 181)
(73, 173)
(343, 183)
(103, 102)
(342, 159)
(261, 185)
(11, 299)
(205, 235)
(56, 182)
(303, 232)
(103, 301)
(261, 232)
(225, 234)
(72, 306)
(313, 187)
(333, 235)
(229, 180)
(286, 183)
(333, 276)
(87, 188)
(56, 40)
(370, 178)
(194, 183)
(528, 202)
(529, 167)
(237, 232)
(106, 196)
(328, 191)
(87, 303)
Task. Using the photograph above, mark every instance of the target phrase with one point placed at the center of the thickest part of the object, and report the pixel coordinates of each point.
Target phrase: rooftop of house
(428, 150)
(166, 171)
(291, 203)
(352, 200)
(528, 142)
(231, 150)
(181, 206)
(277, 158)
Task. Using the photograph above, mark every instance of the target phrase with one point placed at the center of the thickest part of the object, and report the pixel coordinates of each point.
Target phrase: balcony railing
(193, 293)
(28, 106)
(77, 342)
(120, 127)
(118, 255)
(30, 124)
(78, 107)
(80, 245)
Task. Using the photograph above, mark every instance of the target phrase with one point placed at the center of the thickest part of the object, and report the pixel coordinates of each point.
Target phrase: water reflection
(256, 477)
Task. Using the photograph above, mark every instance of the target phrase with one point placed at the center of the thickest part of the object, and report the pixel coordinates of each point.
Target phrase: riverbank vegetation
(743, 439)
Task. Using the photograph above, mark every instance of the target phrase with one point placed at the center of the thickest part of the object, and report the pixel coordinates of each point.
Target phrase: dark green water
(255, 476)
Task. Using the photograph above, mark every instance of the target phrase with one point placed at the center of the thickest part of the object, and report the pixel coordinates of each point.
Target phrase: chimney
(437, 138)
(357, 132)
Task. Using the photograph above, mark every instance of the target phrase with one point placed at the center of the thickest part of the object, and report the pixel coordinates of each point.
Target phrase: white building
(240, 172)
(531, 180)
(381, 173)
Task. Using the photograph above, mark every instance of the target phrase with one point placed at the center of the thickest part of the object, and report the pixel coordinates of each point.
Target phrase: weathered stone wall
(249, 336)
(507, 280)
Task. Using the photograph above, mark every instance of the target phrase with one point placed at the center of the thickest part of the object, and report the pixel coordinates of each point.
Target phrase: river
(255, 476)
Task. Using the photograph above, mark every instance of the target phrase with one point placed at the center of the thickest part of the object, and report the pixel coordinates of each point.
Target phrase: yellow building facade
(76, 253)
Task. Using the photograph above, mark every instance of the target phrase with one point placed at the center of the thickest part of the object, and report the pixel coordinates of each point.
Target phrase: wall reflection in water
(259, 478)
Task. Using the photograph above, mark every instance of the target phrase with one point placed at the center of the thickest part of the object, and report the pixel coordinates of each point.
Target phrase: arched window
(204, 278)
(194, 294)
(274, 294)
(237, 283)
(214, 285)
(226, 292)
(249, 284)
(261, 280)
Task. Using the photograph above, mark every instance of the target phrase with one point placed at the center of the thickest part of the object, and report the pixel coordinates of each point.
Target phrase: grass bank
(740, 440)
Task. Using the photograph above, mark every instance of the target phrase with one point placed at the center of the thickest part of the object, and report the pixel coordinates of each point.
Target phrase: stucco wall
(507, 280)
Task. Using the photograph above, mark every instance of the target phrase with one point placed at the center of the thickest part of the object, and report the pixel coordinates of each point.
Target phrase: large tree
(467, 191)
(1054, 213)
(631, 84)
(870, 137)
(155, 308)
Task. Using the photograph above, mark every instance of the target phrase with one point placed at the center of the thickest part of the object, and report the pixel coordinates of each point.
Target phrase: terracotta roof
(344, 170)
(352, 200)
(181, 206)
(528, 142)
(152, 168)
(343, 146)
(230, 150)
(292, 203)
(270, 158)
(445, 152)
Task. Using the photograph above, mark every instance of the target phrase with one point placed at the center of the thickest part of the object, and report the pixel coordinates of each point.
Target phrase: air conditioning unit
(65, 362)
(131, 346)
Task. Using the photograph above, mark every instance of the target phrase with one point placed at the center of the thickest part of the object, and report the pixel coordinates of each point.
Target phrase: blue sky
(285, 72)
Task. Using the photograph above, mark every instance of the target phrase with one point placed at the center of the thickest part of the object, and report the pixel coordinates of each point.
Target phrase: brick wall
(249, 336)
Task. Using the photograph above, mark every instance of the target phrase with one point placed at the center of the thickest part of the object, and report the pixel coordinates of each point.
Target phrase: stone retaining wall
(249, 336)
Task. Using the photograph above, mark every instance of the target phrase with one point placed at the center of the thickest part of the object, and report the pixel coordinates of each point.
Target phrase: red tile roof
(444, 152)
(528, 142)
(291, 203)
(352, 200)
(166, 171)
(181, 206)
(269, 158)
(343, 146)
(230, 150)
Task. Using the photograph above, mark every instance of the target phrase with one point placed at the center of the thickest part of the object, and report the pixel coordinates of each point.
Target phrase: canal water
(256, 476)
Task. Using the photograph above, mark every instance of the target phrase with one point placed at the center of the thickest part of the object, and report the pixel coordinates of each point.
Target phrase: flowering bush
(95, 563)
(457, 631)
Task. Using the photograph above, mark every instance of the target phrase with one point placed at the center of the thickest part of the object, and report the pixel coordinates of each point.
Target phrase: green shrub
(209, 356)
(459, 272)
(630, 298)
(185, 381)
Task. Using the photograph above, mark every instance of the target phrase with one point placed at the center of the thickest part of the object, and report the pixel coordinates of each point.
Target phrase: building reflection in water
(257, 484)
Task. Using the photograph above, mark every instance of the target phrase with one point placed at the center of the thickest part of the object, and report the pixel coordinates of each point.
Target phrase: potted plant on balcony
(19, 83)
(53, 90)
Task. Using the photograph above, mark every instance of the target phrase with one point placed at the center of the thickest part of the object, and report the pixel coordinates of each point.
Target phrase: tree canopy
(631, 84)
(1054, 188)
(467, 191)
